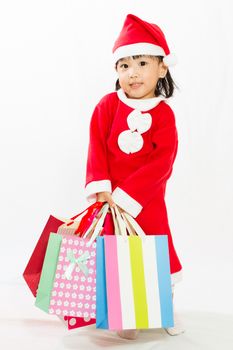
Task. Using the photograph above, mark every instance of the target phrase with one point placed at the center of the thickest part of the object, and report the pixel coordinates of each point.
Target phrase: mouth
(135, 85)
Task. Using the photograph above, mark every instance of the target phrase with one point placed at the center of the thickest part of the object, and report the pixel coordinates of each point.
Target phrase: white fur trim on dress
(142, 105)
(138, 49)
(95, 187)
(126, 202)
(176, 277)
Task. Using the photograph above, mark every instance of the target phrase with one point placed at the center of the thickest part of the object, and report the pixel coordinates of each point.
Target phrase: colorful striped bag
(133, 286)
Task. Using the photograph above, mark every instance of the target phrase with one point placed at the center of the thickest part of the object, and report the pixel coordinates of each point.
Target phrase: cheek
(122, 79)
(152, 78)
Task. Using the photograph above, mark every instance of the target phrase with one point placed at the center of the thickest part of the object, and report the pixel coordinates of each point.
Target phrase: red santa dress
(132, 148)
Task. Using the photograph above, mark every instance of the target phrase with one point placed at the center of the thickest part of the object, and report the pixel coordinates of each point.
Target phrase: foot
(177, 328)
(130, 334)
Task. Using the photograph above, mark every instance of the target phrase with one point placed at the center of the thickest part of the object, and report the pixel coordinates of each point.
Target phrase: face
(138, 77)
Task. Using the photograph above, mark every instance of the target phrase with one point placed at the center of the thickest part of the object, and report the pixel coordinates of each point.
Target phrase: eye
(124, 66)
(143, 63)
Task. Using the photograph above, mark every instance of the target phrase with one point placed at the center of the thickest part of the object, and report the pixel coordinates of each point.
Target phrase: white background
(55, 65)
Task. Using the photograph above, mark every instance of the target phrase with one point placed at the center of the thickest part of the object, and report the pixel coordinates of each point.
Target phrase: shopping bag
(33, 269)
(78, 322)
(133, 282)
(67, 285)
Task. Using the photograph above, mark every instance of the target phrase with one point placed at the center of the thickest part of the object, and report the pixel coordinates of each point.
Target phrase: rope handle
(134, 224)
(121, 223)
(116, 227)
(94, 223)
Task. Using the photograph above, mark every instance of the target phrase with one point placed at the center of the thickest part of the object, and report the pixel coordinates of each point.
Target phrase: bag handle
(120, 222)
(92, 207)
(134, 224)
(93, 224)
(99, 225)
(129, 227)
(88, 218)
(116, 227)
(77, 227)
(119, 225)
(127, 223)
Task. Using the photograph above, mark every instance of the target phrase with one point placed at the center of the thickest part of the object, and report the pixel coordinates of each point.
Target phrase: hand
(105, 197)
(121, 210)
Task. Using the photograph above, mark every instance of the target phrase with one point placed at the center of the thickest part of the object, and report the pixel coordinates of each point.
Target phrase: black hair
(165, 86)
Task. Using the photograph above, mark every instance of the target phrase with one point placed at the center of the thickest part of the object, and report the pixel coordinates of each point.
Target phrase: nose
(133, 72)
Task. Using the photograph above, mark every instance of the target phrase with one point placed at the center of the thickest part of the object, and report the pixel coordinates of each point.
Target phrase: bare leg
(178, 327)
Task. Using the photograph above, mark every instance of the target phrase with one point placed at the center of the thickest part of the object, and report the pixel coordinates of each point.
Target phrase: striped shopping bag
(133, 286)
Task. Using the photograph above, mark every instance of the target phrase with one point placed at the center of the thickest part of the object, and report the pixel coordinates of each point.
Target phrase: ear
(162, 70)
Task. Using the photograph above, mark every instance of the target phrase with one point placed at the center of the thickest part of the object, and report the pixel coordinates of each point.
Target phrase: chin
(133, 96)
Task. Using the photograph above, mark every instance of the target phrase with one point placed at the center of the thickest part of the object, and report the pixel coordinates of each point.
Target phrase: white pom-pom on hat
(170, 60)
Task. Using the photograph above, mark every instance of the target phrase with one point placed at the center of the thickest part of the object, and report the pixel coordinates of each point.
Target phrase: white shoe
(130, 334)
(177, 328)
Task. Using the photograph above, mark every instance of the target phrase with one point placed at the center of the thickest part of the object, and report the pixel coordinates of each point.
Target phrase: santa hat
(139, 37)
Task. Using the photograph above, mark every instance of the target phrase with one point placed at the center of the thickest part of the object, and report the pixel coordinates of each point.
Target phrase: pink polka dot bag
(67, 286)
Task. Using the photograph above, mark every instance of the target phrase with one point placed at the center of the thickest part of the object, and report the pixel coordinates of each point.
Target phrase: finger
(100, 198)
(112, 204)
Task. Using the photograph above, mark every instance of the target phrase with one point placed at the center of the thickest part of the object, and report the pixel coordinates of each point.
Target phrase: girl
(133, 137)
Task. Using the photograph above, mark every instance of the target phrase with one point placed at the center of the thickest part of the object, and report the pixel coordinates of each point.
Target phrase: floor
(23, 326)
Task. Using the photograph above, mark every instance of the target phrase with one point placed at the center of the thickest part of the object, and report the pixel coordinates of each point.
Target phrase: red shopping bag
(33, 269)
(78, 322)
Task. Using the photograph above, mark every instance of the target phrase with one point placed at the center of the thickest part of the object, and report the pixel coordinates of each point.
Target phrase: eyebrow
(123, 59)
(134, 57)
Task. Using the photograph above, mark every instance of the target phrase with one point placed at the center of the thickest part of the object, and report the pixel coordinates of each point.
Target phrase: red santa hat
(139, 37)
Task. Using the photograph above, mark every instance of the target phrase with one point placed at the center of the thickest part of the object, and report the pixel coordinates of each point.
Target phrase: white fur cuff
(95, 187)
(126, 202)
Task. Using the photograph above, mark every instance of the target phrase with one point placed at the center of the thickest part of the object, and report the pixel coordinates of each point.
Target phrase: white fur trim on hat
(138, 49)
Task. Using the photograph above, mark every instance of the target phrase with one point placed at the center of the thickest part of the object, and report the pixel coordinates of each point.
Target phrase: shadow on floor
(204, 331)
